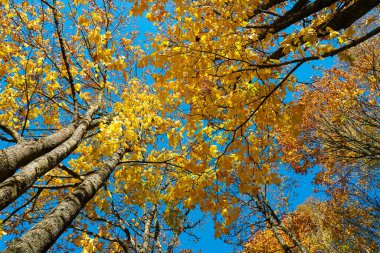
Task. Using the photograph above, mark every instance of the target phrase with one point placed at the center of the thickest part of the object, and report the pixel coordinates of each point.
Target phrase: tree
(65, 75)
(326, 226)
(203, 130)
(230, 68)
(337, 127)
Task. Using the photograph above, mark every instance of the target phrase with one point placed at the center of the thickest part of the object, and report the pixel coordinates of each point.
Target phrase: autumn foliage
(336, 118)
(117, 145)
(322, 227)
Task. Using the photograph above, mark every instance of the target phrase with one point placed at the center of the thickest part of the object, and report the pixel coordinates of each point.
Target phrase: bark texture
(23, 153)
(354, 12)
(300, 10)
(43, 235)
(17, 184)
(339, 21)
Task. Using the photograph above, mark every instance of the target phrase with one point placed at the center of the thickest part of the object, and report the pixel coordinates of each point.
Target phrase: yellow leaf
(82, 20)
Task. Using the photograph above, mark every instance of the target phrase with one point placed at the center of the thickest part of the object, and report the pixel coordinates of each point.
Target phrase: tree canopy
(116, 142)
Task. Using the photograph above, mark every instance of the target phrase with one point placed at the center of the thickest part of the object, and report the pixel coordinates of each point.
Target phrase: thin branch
(151, 162)
(71, 172)
(110, 239)
(2, 138)
(11, 132)
(65, 60)
(34, 197)
(270, 94)
(60, 186)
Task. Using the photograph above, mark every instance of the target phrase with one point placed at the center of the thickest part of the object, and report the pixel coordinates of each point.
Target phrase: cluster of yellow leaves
(221, 74)
(36, 78)
(213, 79)
(140, 125)
(155, 10)
(37, 90)
(2, 233)
(88, 244)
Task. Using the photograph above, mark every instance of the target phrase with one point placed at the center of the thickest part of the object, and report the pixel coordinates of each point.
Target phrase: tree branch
(11, 132)
(65, 60)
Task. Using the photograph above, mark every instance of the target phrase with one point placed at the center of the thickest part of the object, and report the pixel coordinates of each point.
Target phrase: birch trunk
(23, 153)
(44, 234)
(17, 184)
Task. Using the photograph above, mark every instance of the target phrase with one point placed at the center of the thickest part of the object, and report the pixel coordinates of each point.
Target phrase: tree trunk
(339, 21)
(300, 11)
(17, 184)
(44, 234)
(147, 235)
(275, 222)
(280, 240)
(23, 153)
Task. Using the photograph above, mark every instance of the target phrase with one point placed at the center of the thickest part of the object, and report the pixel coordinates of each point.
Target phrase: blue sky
(208, 243)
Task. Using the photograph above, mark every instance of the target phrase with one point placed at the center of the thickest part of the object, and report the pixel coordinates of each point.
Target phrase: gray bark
(147, 236)
(275, 222)
(17, 184)
(43, 235)
(24, 152)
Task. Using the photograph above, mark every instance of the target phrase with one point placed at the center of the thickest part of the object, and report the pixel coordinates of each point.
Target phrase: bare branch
(60, 186)
(11, 132)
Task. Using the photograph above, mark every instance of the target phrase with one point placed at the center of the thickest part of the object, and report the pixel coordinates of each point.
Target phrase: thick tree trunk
(300, 10)
(23, 153)
(17, 184)
(350, 15)
(43, 235)
(339, 21)
(147, 236)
